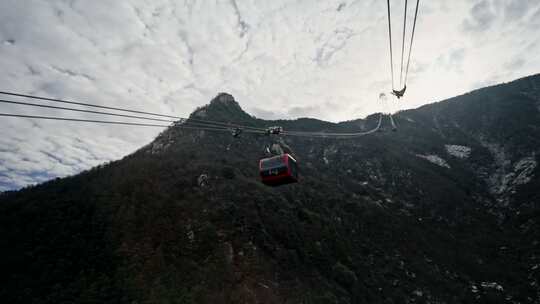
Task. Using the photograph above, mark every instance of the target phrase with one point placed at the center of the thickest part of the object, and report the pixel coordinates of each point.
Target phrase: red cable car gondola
(278, 170)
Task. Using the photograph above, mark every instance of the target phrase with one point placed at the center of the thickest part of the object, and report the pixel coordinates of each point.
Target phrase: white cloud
(327, 59)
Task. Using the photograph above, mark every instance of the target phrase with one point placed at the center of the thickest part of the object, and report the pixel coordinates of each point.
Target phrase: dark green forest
(374, 219)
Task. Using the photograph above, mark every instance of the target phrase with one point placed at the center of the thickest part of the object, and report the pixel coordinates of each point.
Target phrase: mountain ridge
(444, 210)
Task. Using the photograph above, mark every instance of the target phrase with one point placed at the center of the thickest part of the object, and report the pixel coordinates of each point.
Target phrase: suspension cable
(403, 44)
(336, 135)
(186, 123)
(86, 104)
(182, 126)
(81, 110)
(82, 120)
(412, 38)
(390, 39)
(225, 124)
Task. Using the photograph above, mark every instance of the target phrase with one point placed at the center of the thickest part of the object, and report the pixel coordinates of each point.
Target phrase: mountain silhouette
(445, 210)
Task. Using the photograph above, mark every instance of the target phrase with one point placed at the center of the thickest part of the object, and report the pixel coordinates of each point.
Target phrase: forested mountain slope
(445, 210)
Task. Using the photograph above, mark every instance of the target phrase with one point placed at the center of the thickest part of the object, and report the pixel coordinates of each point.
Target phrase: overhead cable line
(119, 122)
(82, 120)
(412, 38)
(186, 121)
(86, 104)
(81, 110)
(336, 135)
(403, 44)
(224, 124)
(390, 40)
(402, 79)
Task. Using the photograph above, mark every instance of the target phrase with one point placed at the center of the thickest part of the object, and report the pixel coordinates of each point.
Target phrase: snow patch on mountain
(498, 178)
(458, 151)
(328, 153)
(492, 285)
(507, 175)
(437, 160)
(409, 119)
(523, 171)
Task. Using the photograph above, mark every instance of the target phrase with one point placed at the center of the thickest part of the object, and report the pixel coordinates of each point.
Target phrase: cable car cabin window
(278, 170)
(273, 166)
(272, 162)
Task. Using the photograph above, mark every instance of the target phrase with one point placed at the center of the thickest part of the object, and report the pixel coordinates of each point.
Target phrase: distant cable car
(278, 170)
(274, 130)
(236, 132)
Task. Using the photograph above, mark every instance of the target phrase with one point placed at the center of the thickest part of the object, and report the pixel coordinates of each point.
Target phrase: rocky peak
(221, 107)
(224, 98)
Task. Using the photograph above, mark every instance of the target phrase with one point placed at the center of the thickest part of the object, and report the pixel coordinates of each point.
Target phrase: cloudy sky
(280, 59)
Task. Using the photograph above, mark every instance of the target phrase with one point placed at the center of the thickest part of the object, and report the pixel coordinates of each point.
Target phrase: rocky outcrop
(435, 159)
(458, 151)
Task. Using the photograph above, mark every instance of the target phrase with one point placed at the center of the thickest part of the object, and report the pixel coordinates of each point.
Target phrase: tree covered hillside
(445, 210)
